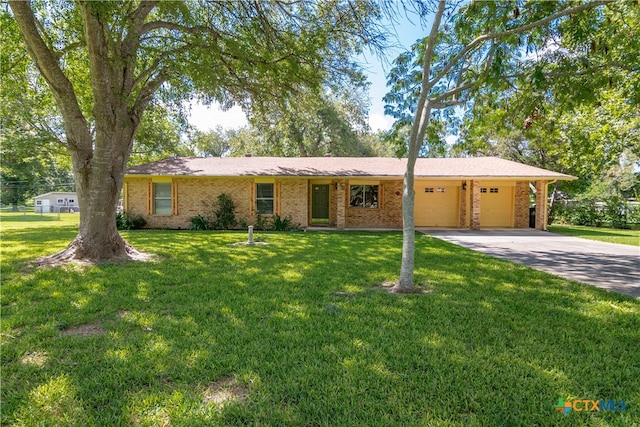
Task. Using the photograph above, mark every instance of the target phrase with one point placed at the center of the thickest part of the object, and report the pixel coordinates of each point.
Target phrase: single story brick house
(56, 201)
(341, 192)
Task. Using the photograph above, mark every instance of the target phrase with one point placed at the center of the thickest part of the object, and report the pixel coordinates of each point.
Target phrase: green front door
(320, 204)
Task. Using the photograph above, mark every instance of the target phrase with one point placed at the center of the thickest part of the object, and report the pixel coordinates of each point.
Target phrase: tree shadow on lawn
(493, 344)
(19, 246)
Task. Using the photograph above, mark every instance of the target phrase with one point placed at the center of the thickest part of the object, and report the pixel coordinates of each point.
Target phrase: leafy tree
(32, 161)
(313, 124)
(214, 143)
(160, 135)
(574, 108)
(105, 63)
(471, 50)
(306, 125)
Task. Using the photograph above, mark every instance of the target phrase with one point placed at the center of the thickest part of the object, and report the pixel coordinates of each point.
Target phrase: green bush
(262, 223)
(200, 222)
(633, 214)
(129, 221)
(615, 211)
(220, 216)
(225, 216)
(281, 224)
(586, 212)
(560, 213)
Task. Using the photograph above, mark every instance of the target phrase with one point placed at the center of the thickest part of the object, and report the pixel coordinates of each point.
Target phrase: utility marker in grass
(250, 241)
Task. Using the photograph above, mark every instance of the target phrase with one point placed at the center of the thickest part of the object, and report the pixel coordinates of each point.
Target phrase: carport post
(474, 221)
(541, 205)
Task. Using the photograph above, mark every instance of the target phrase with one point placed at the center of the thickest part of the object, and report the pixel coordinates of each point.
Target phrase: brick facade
(474, 214)
(342, 187)
(521, 205)
(462, 217)
(192, 195)
(333, 214)
(293, 199)
(387, 215)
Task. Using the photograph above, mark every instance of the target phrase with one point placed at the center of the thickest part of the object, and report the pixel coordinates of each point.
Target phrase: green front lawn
(610, 235)
(297, 332)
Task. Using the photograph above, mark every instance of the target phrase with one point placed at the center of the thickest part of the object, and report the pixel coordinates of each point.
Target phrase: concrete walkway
(605, 265)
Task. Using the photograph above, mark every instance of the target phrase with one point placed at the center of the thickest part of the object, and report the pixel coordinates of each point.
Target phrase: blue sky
(404, 33)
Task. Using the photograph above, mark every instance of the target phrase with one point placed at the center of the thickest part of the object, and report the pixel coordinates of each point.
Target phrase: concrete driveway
(605, 265)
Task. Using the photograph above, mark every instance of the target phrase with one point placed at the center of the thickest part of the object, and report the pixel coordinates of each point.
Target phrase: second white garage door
(496, 206)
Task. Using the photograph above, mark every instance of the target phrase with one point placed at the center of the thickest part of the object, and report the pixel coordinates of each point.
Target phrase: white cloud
(378, 121)
(208, 118)
(451, 139)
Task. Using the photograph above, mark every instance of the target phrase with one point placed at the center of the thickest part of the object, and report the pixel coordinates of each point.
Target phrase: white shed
(56, 201)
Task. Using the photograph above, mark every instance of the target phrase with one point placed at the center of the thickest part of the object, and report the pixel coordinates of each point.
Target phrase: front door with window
(320, 204)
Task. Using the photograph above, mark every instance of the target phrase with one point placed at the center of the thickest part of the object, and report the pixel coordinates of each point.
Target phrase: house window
(38, 202)
(60, 201)
(440, 189)
(162, 198)
(493, 190)
(428, 190)
(363, 196)
(264, 199)
(72, 201)
(483, 190)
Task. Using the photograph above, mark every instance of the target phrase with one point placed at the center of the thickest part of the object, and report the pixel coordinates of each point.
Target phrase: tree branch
(490, 36)
(424, 109)
(76, 126)
(99, 65)
(451, 92)
(172, 26)
(147, 91)
(132, 42)
(439, 105)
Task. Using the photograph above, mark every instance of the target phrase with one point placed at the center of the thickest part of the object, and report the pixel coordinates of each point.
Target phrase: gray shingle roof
(470, 167)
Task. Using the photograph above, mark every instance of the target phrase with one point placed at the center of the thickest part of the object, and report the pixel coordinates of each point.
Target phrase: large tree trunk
(99, 177)
(99, 160)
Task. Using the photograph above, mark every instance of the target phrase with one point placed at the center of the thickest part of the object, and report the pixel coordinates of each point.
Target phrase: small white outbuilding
(56, 201)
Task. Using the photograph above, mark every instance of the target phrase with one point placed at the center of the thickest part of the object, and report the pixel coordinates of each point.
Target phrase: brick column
(341, 210)
(474, 222)
(521, 205)
(541, 205)
(462, 217)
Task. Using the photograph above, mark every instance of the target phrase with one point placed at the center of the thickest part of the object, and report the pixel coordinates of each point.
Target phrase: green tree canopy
(574, 105)
(472, 50)
(105, 63)
(315, 123)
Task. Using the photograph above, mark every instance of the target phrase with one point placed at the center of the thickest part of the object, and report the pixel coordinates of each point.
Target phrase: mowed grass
(297, 332)
(609, 235)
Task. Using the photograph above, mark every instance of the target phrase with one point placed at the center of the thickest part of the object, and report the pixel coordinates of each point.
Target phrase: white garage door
(436, 204)
(496, 206)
